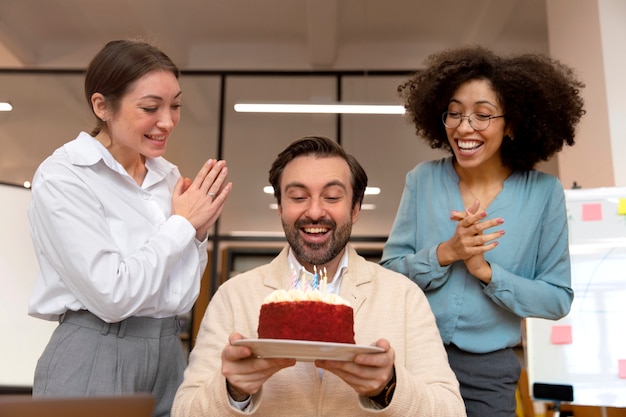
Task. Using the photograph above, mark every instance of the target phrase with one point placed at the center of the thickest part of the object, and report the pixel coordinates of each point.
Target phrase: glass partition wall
(49, 109)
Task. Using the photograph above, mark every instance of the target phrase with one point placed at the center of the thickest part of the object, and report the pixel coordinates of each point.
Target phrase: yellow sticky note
(621, 207)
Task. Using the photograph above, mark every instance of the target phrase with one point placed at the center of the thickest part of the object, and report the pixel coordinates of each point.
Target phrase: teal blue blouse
(531, 264)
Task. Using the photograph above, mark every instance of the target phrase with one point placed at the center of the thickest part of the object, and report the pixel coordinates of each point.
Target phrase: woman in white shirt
(120, 236)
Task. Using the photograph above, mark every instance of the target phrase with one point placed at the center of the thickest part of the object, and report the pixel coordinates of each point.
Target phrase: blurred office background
(305, 51)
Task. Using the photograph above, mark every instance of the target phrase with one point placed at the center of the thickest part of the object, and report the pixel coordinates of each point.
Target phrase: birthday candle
(315, 278)
(324, 280)
(294, 276)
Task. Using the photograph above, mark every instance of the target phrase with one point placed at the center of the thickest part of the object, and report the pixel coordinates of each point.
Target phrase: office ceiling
(221, 35)
(267, 34)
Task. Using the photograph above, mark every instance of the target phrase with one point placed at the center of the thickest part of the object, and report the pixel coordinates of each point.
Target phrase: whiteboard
(23, 337)
(587, 348)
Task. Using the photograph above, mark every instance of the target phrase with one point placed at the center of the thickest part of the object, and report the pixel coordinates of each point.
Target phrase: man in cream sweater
(319, 189)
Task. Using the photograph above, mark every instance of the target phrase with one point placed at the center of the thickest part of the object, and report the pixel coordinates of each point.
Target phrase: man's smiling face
(316, 208)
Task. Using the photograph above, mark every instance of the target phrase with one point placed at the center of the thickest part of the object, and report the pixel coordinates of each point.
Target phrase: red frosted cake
(306, 315)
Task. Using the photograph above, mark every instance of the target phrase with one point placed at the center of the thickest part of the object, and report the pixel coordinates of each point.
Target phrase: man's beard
(318, 253)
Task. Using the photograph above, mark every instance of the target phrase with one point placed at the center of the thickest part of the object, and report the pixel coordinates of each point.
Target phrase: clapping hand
(469, 242)
(202, 200)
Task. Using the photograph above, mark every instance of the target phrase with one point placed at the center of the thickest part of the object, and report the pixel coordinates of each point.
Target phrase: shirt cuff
(179, 229)
(201, 243)
(241, 405)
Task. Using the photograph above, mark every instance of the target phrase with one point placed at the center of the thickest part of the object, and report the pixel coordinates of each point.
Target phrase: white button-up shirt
(106, 244)
(333, 286)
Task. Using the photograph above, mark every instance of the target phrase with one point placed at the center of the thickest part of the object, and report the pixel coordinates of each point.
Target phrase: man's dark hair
(319, 146)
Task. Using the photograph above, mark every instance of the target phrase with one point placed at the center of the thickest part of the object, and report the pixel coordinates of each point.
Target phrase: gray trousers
(488, 381)
(89, 357)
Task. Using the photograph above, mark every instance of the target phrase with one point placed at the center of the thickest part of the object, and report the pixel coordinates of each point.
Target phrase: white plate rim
(305, 350)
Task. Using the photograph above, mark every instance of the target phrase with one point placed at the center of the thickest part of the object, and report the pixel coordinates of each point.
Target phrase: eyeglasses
(478, 121)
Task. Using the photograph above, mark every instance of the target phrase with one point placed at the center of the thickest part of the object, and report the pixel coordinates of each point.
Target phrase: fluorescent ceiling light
(319, 108)
(5, 106)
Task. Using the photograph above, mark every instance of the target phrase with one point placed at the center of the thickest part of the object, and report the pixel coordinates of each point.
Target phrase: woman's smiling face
(148, 114)
(476, 148)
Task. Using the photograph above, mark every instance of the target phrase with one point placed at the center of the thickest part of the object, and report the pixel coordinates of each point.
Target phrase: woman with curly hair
(498, 116)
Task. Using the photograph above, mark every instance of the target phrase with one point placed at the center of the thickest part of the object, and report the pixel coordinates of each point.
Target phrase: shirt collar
(333, 287)
(86, 150)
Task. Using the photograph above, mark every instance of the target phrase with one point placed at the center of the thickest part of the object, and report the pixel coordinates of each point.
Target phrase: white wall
(23, 337)
(588, 35)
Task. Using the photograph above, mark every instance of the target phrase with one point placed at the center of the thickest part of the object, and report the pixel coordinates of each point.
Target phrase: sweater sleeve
(547, 293)
(402, 251)
(203, 391)
(426, 385)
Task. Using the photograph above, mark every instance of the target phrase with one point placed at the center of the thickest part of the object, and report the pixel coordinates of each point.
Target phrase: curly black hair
(540, 97)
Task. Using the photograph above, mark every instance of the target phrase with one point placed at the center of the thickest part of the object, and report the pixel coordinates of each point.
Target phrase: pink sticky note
(621, 364)
(561, 335)
(592, 211)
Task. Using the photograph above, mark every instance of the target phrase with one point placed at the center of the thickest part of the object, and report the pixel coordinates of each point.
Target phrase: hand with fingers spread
(245, 374)
(202, 200)
(469, 243)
